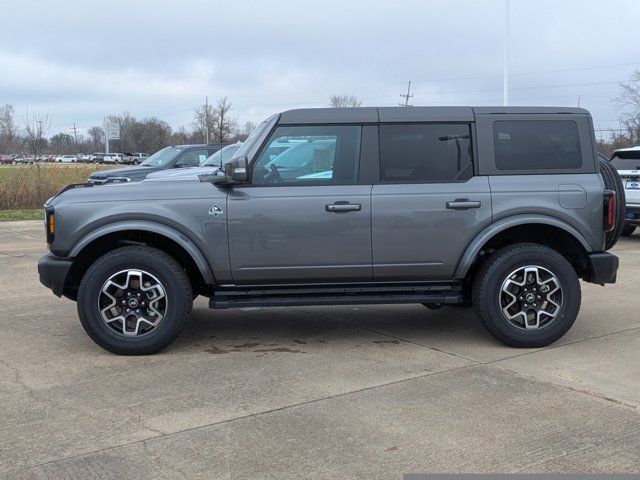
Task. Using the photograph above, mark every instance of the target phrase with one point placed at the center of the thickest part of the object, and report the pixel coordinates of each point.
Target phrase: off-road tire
(487, 289)
(628, 230)
(171, 276)
(612, 182)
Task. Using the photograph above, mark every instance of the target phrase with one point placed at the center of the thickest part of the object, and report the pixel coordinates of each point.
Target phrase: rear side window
(537, 145)
(425, 153)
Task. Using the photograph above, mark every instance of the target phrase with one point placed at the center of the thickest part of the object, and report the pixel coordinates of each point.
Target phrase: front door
(428, 205)
(302, 218)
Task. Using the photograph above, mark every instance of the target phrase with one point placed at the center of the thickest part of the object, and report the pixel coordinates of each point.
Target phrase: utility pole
(206, 116)
(505, 86)
(406, 96)
(75, 136)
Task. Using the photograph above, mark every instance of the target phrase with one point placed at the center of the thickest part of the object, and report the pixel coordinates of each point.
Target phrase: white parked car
(627, 162)
(66, 159)
(113, 157)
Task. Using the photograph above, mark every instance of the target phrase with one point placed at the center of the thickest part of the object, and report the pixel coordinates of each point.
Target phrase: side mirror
(180, 165)
(235, 170)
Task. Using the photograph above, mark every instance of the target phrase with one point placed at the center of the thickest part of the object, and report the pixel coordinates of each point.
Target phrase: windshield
(255, 138)
(162, 157)
(626, 160)
(222, 155)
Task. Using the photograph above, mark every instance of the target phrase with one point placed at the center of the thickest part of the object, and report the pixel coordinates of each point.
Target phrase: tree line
(211, 123)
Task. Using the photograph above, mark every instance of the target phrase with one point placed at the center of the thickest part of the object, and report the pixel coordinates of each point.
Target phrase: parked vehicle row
(179, 156)
(97, 157)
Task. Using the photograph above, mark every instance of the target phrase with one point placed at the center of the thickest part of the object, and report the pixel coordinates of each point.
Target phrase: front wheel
(527, 295)
(134, 300)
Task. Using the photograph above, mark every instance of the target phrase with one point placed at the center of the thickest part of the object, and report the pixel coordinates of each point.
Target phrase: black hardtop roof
(409, 114)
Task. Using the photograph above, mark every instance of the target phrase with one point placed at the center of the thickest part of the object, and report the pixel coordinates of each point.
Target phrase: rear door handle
(463, 204)
(339, 207)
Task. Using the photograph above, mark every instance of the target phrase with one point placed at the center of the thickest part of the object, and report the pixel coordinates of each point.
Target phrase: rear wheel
(527, 295)
(628, 230)
(134, 300)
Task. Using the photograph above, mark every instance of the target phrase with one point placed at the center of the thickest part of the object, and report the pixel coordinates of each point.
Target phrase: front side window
(537, 145)
(309, 154)
(419, 153)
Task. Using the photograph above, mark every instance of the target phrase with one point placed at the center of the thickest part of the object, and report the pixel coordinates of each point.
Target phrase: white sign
(113, 130)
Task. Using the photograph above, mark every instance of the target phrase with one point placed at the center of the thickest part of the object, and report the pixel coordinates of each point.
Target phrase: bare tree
(224, 125)
(628, 103)
(203, 121)
(8, 128)
(62, 143)
(97, 138)
(342, 101)
(36, 128)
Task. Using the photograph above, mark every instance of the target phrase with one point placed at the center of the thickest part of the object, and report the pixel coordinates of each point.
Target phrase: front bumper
(53, 272)
(603, 268)
(633, 214)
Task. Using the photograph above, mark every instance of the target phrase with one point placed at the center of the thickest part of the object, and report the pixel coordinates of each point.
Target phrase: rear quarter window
(537, 145)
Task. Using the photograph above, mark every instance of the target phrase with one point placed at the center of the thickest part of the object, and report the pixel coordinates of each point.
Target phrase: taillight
(609, 213)
(50, 225)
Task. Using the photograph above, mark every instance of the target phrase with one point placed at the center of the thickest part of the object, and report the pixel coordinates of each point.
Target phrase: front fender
(495, 228)
(153, 227)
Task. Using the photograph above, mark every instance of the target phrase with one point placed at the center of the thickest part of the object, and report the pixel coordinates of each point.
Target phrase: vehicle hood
(182, 173)
(134, 173)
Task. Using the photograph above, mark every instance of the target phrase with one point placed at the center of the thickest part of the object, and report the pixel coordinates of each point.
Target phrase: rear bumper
(53, 272)
(603, 268)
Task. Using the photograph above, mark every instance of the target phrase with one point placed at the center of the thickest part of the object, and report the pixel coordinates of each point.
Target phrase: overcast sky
(82, 60)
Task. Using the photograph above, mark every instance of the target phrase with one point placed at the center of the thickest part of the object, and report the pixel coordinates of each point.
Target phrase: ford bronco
(504, 208)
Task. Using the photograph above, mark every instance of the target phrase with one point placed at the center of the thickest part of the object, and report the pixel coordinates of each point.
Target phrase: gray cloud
(83, 60)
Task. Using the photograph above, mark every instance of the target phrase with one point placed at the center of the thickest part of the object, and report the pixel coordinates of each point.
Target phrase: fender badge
(216, 211)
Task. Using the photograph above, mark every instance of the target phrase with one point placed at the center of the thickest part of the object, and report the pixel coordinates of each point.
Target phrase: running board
(348, 295)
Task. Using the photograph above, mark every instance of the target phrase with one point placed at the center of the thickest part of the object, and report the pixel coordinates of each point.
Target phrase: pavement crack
(584, 391)
(244, 417)
(21, 383)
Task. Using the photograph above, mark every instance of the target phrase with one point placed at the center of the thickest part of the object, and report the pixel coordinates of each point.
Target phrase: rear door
(428, 205)
(304, 217)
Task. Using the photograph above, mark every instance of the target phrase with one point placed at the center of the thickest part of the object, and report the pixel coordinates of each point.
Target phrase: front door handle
(463, 204)
(339, 207)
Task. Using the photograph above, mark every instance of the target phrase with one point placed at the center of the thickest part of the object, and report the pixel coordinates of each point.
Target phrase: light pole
(505, 80)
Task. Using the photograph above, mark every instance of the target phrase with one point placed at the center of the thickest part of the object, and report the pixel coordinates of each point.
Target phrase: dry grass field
(27, 187)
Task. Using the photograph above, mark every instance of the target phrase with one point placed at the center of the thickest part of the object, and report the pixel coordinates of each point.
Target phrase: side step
(343, 295)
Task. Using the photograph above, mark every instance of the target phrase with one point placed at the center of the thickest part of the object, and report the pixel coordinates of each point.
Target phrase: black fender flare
(149, 226)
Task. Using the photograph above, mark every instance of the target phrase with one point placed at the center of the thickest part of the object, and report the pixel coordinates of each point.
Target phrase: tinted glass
(537, 145)
(222, 155)
(193, 158)
(316, 154)
(629, 160)
(425, 153)
(162, 157)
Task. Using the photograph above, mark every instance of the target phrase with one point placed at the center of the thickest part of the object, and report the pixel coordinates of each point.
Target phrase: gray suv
(505, 208)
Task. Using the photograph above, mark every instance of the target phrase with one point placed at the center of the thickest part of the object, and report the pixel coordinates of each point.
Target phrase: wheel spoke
(132, 302)
(530, 297)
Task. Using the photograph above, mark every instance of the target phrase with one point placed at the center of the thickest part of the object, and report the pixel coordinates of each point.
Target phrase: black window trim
(474, 153)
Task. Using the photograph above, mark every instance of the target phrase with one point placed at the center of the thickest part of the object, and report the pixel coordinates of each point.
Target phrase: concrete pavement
(319, 392)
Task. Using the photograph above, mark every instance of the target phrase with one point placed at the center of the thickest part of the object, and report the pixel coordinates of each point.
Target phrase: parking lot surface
(322, 392)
